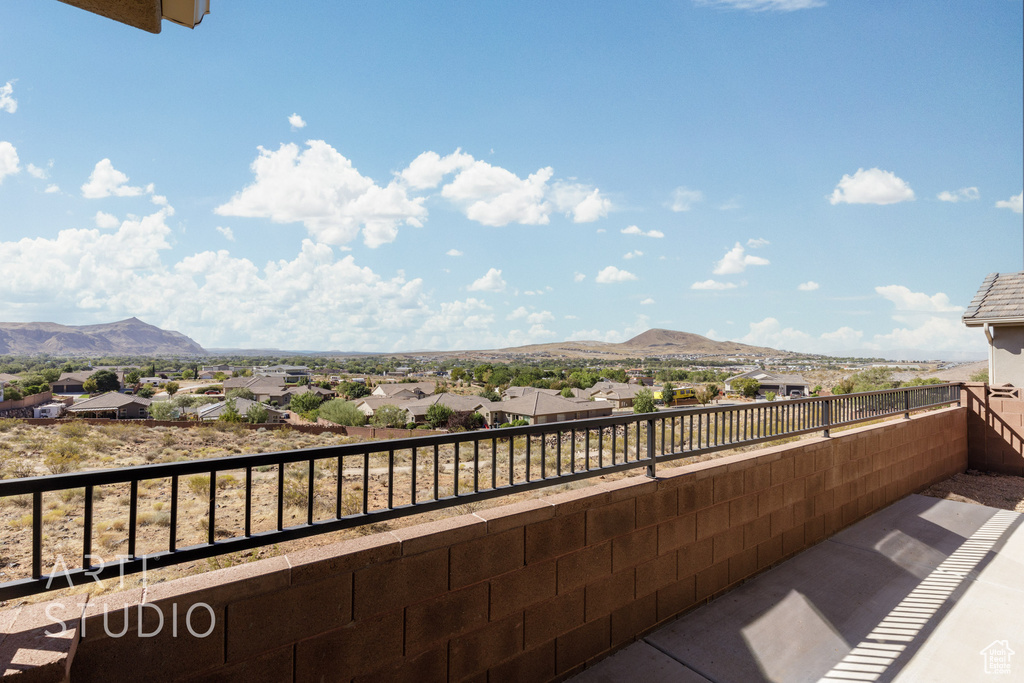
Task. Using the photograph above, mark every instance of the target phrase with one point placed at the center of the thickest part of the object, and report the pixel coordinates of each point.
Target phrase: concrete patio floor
(924, 590)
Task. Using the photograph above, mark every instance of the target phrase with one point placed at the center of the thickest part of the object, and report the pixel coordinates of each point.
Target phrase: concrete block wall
(995, 430)
(530, 591)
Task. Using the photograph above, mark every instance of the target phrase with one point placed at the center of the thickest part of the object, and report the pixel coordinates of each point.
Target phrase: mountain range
(130, 337)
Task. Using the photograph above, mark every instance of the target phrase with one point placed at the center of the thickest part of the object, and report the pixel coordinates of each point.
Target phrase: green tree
(491, 395)
(354, 390)
(746, 386)
(304, 403)
(172, 388)
(389, 416)
(105, 380)
(706, 393)
(50, 375)
(163, 410)
(668, 391)
(240, 392)
(342, 412)
(438, 415)
(256, 414)
(566, 392)
(770, 396)
(230, 412)
(145, 391)
(458, 374)
(133, 377)
(643, 402)
(188, 374)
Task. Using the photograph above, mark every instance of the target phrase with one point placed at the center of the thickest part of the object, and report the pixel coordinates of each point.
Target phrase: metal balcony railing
(185, 511)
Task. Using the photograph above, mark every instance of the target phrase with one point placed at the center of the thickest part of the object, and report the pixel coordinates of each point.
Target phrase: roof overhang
(994, 321)
(147, 14)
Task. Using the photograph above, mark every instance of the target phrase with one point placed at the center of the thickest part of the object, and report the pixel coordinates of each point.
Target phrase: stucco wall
(1007, 355)
(531, 591)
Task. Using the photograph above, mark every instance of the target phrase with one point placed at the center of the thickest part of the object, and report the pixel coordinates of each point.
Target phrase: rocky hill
(130, 337)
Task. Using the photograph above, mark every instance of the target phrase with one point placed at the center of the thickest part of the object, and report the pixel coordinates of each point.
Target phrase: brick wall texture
(528, 592)
(995, 431)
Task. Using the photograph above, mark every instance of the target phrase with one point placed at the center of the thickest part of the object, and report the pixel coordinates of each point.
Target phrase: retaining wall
(995, 428)
(532, 591)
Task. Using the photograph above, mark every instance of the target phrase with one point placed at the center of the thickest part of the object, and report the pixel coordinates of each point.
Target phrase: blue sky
(825, 176)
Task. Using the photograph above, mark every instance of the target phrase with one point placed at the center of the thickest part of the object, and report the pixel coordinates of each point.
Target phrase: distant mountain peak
(130, 337)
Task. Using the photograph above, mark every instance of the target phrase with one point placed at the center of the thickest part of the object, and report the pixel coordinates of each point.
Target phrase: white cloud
(453, 252)
(106, 221)
(105, 181)
(730, 205)
(296, 122)
(495, 196)
(585, 204)
(808, 286)
(227, 232)
(50, 189)
(906, 300)
(763, 5)
(684, 198)
(578, 277)
(713, 284)
(611, 274)
(8, 160)
(932, 334)
(633, 254)
(873, 186)
(321, 189)
(757, 242)
(635, 230)
(647, 302)
(964, 194)
(490, 282)
(1015, 204)
(7, 101)
(736, 261)
(533, 318)
(38, 171)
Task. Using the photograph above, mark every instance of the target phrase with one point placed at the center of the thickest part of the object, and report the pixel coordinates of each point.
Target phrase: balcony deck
(923, 590)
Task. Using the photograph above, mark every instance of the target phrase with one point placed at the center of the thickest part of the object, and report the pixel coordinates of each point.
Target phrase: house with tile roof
(541, 408)
(781, 385)
(113, 405)
(998, 308)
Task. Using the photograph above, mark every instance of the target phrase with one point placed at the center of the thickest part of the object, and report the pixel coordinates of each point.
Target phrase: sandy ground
(982, 488)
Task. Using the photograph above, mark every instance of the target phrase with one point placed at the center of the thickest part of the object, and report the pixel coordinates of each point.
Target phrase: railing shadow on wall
(995, 428)
(342, 487)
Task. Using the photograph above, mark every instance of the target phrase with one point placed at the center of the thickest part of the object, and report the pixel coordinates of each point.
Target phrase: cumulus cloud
(635, 230)
(321, 189)
(7, 101)
(808, 286)
(495, 196)
(906, 300)
(533, 318)
(611, 274)
(490, 282)
(647, 302)
(106, 181)
(50, 189)
(763, 5)
(736, 260)
(39, 172)
(1015, 204)
(871, 186)
(684, 198)
(296, 122)
(106, 221)
(453, 252)
(633, 254)
(227, 232)
(713, 284)
(964, 194)
(578, 277)
(8, 160)
(757, 242)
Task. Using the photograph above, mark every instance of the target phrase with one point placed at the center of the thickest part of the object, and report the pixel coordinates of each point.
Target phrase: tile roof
(999, 299)
(111, 400)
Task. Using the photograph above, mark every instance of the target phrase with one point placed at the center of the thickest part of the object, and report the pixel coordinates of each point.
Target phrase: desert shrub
(8, 423)
(63, 455)
(980, 376)
(74, 429)
(770, 396)
(163, 410)
(199, 486)
(465, 421)
(643, 402)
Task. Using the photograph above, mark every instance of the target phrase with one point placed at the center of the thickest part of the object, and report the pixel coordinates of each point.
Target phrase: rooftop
(999, 299)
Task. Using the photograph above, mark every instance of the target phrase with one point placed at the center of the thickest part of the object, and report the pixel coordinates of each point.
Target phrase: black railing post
(652, 455)
(826, 416)
(906, 404)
